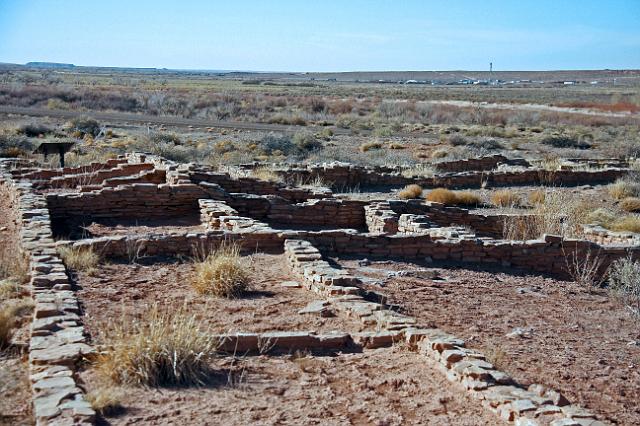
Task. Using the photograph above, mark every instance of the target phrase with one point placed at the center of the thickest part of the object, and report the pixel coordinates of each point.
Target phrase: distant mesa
(48, 65)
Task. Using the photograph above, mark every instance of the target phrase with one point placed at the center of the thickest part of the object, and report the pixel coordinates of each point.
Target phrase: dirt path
(166, 120)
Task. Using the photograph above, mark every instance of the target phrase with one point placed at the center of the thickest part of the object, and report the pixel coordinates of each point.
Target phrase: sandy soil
(123, 288)
(582, 344)
(380, 387)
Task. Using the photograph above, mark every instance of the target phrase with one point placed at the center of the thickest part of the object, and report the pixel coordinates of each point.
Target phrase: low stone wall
(255, 186)
(489, 162)
(490, 225)
(341, 176)
(325, 212)
(210, 212)
(522, 178)
(469, 368)
(98, 176)
(603, 236)
(380, 218)
(58, 341)
(39, 174)
(282, 341)
(143, 201)
(548, 255)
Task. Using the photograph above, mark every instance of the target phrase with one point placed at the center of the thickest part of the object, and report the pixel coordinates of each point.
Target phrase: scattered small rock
(525, 333)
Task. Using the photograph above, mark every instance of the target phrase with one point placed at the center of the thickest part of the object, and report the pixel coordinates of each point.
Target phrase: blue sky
(324, 35)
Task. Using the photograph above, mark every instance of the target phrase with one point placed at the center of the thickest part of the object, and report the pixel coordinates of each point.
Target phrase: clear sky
(327, 35)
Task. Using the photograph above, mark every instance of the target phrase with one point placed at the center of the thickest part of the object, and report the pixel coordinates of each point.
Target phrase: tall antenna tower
(490, 72)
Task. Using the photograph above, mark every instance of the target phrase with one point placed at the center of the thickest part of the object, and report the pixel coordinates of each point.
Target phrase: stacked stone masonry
(58, 340)
(468, 368)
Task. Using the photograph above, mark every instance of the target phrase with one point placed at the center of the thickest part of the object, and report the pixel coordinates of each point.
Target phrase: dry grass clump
(7, 324)
(222, 273)
(161, 348)
(631, 205)
(265, 173)
(505, 198)
(9, 289)
(602, 217)
(448, 197)
(496, 355)
(629, 223)
(442, 195)
(439, 153)
(11, 315)
(624, 188)
(82, 259)
(560, 214)
(537, 197)
(467, 198)
(106, 400)
(368, 146)
(410, 192)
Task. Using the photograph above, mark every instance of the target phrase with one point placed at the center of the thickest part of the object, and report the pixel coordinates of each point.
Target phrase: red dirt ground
(123, 288)
(585, 345)
(380, 387)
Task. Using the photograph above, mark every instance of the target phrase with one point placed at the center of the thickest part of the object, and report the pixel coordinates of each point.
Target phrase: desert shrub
(368, 146)
(624, 188)
(326, 133)
(223, 147)
(33, 130)
(457, 140)
(316, 105)
(485, 145)
(79, 259)
(565, 141)
(106, 400)
(624, 281)
(439, 153)
(629, 223)
(85, 126)
(160, 348)
(467, 199)
(273, 144)
(505, 198)
(15, 145)
(287, 120)
(306, 142)
(410, 192)
(585, 268)
(631, 204)
(9, 289)
(442, 195)
(602, 217)
(560, 214)
(222, 273)
(382, 132)
(537, 196)
(164, 138)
